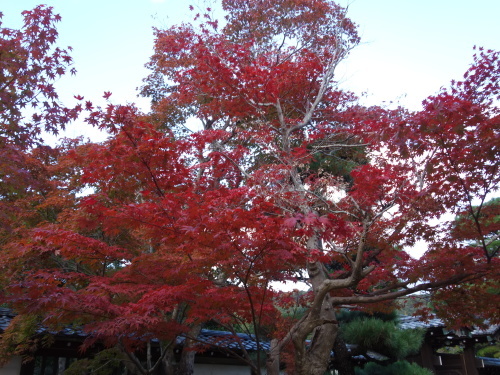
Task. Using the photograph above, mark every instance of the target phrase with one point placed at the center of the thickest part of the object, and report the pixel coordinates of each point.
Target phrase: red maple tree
(288, 178)
(31, 187)
(29, 65)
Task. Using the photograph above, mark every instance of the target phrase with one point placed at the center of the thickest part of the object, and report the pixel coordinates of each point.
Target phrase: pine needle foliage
(396, 368)
(383, 337)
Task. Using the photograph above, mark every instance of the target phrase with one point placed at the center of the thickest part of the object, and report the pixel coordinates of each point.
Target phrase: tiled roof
(221, 339)
(412, 322)
(6, 316)
(227, 340)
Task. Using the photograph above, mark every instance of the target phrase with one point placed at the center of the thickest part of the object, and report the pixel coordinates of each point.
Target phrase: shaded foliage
(397, 368)
(383, 337)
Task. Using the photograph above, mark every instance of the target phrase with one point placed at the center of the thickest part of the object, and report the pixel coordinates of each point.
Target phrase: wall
(12, 368)
(208, 369)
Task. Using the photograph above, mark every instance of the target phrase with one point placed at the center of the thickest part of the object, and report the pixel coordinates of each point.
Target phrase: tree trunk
(315, 359)
(273, 359)
(318, 356)
(168, 361)
(186, 364)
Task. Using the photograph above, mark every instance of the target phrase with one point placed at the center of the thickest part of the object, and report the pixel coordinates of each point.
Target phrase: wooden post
(427, 358)
(469, 360)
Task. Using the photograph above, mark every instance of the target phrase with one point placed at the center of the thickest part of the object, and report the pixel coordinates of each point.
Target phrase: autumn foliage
(283, 177)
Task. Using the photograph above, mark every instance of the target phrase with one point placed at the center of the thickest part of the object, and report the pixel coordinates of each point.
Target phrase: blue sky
(410, 48)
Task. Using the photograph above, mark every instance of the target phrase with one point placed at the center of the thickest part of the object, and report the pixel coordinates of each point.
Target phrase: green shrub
(396, 368)
(383, 337)
(106, 362)
(492, 351)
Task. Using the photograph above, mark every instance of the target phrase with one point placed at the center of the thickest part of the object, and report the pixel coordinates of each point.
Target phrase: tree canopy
(287, 178)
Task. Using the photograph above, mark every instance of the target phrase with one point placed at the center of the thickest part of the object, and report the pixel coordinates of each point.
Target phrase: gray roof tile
(412, 322)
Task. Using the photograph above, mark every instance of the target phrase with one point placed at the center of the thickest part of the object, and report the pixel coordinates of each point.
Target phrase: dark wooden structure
(66, 343)
(438, 336)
